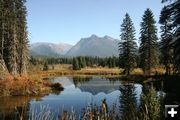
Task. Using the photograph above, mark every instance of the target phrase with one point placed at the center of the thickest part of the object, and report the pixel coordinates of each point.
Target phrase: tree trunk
(14, 53)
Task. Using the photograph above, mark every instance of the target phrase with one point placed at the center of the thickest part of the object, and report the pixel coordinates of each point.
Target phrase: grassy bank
(84, 71)
(24, 86)
(62, 69)
(34, 85)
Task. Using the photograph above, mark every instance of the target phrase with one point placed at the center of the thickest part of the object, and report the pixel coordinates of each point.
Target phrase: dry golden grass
(154, 71)
(158, 70)
(67, 70)
(59, 70)
(100, 71)
(137, 71)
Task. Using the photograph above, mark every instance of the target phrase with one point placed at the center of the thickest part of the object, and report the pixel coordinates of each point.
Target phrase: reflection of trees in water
(14, 108)
(169, 90)
(172, 89)
(150, 104)
(171, 86)
(79, 79)
(113, 79)
(128, 102)
(150, 108)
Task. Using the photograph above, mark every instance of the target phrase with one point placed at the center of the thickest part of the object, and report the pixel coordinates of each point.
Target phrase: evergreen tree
(76, 64)
(45, 67)
(3, 68)
(82, 62)
(22, 48)
(110, 64)
(113, 61)
(13, 36)
(33, 60)
(173, 12)
(166, 40)
(148, 48)
(9, 20)
(127, 46)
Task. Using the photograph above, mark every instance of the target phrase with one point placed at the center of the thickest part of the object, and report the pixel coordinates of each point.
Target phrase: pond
(80, 93)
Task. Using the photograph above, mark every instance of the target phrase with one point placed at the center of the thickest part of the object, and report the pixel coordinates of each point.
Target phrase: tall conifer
(13, 36)
(127, 46)
(148, 47)
(166, 40)
(173, 11)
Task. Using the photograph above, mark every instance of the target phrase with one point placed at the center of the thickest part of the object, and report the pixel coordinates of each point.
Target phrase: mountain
(49, 49)
(95, 46)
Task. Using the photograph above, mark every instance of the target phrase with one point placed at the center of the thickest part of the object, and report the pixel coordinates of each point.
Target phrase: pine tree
(113, 61)
(13, 36)
(82, 62)
(166, 40)
(173, 11)
(2, 32)
(110, 64)
(148, 48)
(45, 67)
(127, 46)
(22, 36)
(9, 33)
(76, 64)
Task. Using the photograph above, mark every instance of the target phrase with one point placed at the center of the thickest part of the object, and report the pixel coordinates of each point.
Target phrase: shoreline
(35, 85)
(90, 71)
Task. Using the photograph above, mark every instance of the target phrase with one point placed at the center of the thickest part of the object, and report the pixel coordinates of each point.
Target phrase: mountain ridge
(90, 46)
(95, 46)
(49, 49)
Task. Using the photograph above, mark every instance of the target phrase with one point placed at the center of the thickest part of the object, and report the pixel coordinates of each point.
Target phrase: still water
(79, 93)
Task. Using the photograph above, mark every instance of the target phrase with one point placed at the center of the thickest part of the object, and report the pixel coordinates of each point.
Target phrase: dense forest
(13, 37)
(78, 62)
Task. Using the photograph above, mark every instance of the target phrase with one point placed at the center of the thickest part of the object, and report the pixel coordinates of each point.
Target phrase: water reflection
(128, 101)
(79, 93)
(13, 108)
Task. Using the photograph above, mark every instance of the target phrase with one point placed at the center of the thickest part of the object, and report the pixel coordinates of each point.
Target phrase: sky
(67, 21)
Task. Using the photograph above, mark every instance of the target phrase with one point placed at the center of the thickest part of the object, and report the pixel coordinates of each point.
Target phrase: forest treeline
(78, 62)
(152, 52)
(13, 37)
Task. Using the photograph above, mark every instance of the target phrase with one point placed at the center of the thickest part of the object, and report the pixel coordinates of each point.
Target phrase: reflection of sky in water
(92, 91)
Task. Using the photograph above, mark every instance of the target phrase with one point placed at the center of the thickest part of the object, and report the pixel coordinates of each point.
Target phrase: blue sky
(68, 21)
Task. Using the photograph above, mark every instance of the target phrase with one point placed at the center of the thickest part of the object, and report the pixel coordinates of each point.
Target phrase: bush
(23, 85)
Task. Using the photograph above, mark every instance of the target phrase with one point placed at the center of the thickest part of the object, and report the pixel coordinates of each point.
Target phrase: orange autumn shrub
(20, 85)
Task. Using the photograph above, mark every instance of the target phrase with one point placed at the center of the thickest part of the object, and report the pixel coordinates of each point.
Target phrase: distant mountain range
(49, 49)
(92, 46)
(95, 46)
